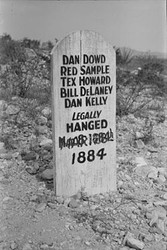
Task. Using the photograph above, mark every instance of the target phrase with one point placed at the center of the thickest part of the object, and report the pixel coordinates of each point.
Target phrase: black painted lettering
(94, 70)
(86, 125)
(95, 101)
(62, 92)
(85, 59)
(91, 125)
(107, 69)
(97, 124)
(103, 59)
(68, 71)
(63, 81)
(61, 142)
(86, 115)
(104, 123)
(71, 81)
(69, 127)
(93, 59)
(81, 140)
(63, 70)
(94, 80)
(71, 59)
(82, 91)
(65, 59)
(101, 137)
(78, 141)
(108, 79)
(68, 92)
(73, 103)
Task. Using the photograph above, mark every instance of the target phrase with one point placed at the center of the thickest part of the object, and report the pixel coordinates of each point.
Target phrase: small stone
(140, 161)
(152, 150)
(148, 238)
(161, 178)
(47, 241)
(34, 198)
(44, 246)
(67, 200)
(60, 200)
(13, 245)
(47, 174)
(15, 155)
(3, 105)
(124, 248)
(27, 246)
(36, 166)
(87, 243)
(77, 196)
(6, 199)
(12, 110)
(41, 207)
(52, 205)
(46, 143)
(71, 227)
(132, 118)
(46, 111)
(2, 147)
(41, 130)
(153, 174)
(93, 207)
(155, 216)
(133, 243)
(42, 120)
(157, 246)
(164, 196)
(162, 171)
(160, 203)
(136, 244)
(139, 135)
(145, 170)
(136, 183)
(49, 124)
(7, 156)
(78, 238)
(46, 157)
(107, 247)
(31, 170)
(161, 225)
(140, 144)
(30, 53)
(29, 156)
(73, 203)
(161, 212)
(127, 177)
(120, 184)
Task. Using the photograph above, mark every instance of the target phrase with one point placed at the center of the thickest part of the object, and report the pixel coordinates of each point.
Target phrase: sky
(136, 24)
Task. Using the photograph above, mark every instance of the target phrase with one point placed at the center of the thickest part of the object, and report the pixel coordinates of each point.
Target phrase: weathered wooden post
(84, 109)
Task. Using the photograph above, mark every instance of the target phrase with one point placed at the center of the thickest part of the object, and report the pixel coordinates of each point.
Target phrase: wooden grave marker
(84, 110)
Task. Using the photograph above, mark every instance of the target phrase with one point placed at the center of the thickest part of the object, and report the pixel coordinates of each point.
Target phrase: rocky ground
(134, 217)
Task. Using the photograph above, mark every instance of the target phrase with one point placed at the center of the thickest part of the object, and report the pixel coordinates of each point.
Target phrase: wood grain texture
(87, 162)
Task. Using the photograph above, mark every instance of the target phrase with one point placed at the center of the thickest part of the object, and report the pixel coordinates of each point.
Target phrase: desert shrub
(136, 91)
(41, 94)
(124, 56)
(16, 126)
(10, 50)
(19, 77)
(152, 62)
(145, 128)
(24, 67)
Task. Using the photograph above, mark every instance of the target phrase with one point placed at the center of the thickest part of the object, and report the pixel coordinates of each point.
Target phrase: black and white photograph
(83, 125)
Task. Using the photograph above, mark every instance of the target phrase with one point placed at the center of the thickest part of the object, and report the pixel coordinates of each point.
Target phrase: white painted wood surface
(88, 166)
